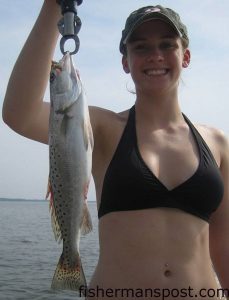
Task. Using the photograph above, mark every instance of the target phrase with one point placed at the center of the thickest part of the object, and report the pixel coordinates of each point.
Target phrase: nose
(155, 54)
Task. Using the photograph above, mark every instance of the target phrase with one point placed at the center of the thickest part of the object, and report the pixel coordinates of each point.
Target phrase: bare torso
(159, 248)
(153, 249)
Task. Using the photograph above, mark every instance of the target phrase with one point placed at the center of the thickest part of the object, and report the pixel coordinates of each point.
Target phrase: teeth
(156, 72)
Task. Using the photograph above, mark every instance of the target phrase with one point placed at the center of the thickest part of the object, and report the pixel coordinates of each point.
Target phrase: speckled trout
(70, 153)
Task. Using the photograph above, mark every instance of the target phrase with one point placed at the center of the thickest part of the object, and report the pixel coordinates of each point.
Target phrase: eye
(52, 77)
(140, 47)
(167, 45)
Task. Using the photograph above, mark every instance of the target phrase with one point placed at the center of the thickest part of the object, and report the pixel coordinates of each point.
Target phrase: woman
(161, 183)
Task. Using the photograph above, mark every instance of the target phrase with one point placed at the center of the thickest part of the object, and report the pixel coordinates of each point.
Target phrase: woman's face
(155, 57)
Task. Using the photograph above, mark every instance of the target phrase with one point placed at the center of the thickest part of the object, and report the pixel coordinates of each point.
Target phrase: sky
(204, 90)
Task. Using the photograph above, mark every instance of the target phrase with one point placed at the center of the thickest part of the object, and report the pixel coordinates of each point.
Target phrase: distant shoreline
(27, 200)
(22, 200)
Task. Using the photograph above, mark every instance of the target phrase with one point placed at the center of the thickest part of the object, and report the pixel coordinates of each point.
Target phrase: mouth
(156, 72)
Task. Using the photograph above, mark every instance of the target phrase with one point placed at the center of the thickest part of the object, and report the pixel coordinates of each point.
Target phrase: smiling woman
(156, 40)
(161, 181)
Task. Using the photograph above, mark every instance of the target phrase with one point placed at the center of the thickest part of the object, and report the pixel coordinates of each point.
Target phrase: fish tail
(68, 277)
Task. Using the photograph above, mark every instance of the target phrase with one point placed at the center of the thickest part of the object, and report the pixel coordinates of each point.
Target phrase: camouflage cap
(148, 13)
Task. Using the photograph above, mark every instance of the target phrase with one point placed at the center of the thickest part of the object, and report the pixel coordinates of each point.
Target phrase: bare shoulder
(216, 139)
(218, 142)
(217, 134)
(220, 219)
(107, 128)
(105, 119)
(96, 111)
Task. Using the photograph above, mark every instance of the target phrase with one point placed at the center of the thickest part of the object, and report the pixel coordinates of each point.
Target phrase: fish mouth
(67, 65)
(65, 78)
(66, 62)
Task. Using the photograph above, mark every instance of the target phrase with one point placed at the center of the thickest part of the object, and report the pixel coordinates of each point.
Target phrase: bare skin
(153, 248)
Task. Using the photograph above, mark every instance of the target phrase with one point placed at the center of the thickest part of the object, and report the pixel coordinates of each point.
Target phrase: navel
(167, 271)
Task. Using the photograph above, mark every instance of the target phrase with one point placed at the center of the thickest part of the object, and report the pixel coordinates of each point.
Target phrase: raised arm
(23, 109)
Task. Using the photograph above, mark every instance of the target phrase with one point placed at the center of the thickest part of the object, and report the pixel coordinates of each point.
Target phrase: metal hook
(69, 26)
(65, 38)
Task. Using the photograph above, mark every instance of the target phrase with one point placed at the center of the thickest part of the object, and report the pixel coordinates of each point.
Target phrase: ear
(125, 64)
(186, 58)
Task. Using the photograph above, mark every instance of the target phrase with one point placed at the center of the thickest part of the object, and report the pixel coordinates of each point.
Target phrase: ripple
(29, 256)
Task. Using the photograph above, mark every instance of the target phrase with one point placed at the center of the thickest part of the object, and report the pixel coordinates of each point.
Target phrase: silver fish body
(71, 145)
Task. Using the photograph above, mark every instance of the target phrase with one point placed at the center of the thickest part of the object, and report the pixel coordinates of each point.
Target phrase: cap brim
(149, 17)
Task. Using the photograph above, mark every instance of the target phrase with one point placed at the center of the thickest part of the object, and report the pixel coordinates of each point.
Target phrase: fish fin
(64, 124)
(86, 225)
(69, 111)
(66, 110)
(55, 226)
(87, 133)
(48, 193)
(90, 133)
(68, 114)
(86, 188)
(68, 277)
(54, 221)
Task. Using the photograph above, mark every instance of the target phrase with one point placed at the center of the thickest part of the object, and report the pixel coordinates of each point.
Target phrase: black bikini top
(130, 185)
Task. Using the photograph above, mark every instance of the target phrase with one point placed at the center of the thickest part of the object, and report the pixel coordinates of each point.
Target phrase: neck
(159, 111)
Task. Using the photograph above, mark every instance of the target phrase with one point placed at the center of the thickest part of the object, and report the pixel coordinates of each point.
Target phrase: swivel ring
(67, 37)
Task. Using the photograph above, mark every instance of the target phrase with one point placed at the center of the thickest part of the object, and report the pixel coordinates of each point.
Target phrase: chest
(172, 157)
(162, 168)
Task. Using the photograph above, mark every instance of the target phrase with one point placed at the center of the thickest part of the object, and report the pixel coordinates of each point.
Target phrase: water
(29, 253)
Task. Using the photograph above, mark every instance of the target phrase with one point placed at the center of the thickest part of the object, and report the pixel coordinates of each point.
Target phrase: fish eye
(52, 77)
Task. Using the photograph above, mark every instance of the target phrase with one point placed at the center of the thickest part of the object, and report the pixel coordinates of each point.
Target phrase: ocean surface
(29, 252)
